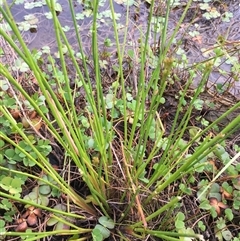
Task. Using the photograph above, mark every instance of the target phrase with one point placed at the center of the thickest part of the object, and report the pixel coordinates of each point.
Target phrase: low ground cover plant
(128, 157)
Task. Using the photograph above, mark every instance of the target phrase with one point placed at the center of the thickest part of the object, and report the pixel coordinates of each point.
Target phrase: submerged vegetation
(131, 141)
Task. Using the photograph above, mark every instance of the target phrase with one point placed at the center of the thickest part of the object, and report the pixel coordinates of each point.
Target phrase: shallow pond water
(199, 35)
(44, 35)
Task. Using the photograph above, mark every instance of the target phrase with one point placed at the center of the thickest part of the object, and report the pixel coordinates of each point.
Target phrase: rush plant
(115, 145)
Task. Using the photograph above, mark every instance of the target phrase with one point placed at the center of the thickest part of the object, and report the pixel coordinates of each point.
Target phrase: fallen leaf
(37, 123)
(226, 194)
(32, 114)
(217, 205)
(15, 113)
(197, 39)
(32, 219)
(22, 225)
(212, 162)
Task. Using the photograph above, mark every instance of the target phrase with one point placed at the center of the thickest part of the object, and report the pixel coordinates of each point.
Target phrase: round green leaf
(227, 235)
(34, 196)
(180, 216)
(45, 190)
(97, 235)
(215, 195)
(2, 143)
(61, 226)
(205, 205)
(162, 100)
(10, 153)
(109, 100)
(91, 143)
(52, 221)
(215, 188)
(229, 214)
(43, 178)
(106, 222)
(104, 231)
(60, 207)
(6, 181)
(2, 223)
(58, 7)
(179, 224)
(44, 200)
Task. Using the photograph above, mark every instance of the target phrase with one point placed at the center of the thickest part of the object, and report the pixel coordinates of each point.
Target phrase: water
(198, 34)
(45, 35)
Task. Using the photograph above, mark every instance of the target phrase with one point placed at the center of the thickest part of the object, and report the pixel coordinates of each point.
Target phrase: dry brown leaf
(15, 113)
(37, 123)
(212, 162)
(22, 226)
(32, 219)
(217, 205)
(226, 194)
(197, 39)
